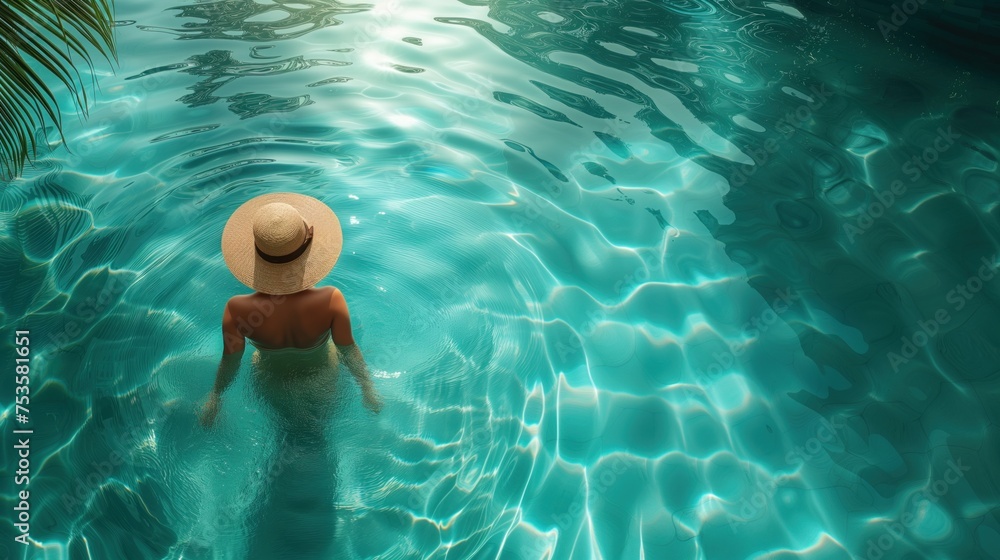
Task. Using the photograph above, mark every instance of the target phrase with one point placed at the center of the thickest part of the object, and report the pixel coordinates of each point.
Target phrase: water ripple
(185, 132)
(232, 19)
(536, 108)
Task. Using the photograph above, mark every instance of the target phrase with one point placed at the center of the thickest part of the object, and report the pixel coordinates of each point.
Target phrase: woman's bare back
(298, 320)
(298, 323)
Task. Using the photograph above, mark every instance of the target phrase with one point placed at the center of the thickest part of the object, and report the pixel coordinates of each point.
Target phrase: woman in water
(281, 245)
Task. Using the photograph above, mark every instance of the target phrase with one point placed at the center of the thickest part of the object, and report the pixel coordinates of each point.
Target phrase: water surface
(638, 279)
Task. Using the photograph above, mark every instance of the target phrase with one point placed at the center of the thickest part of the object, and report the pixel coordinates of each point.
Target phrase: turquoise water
(637, 279)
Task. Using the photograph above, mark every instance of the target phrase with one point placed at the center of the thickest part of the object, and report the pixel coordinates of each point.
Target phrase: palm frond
(57, 35)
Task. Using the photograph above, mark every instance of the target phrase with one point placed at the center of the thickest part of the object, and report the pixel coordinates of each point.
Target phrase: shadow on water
(294, 514)
(219, 68)
(246, 20)
(252, 22)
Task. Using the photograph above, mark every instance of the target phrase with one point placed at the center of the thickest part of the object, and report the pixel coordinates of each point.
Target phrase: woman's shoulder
(329, 291)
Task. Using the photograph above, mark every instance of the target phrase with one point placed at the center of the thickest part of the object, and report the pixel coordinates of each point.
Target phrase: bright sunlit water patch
(730, 393)
(635, 280)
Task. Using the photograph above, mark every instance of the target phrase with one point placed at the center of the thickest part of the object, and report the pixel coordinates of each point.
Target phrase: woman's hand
(372, 401)
(210, 411)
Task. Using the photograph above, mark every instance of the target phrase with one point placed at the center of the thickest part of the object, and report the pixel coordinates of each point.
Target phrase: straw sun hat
(281, 243)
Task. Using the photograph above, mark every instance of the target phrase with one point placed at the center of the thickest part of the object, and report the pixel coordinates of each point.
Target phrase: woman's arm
(344, 339)
(232, 354)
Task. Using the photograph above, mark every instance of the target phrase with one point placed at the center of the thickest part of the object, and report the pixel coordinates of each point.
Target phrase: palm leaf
(57, 35)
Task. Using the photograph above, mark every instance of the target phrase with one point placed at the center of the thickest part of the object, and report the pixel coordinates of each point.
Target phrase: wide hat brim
(278, 279)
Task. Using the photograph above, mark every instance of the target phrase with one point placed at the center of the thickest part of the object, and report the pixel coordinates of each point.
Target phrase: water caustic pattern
(679, 279)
